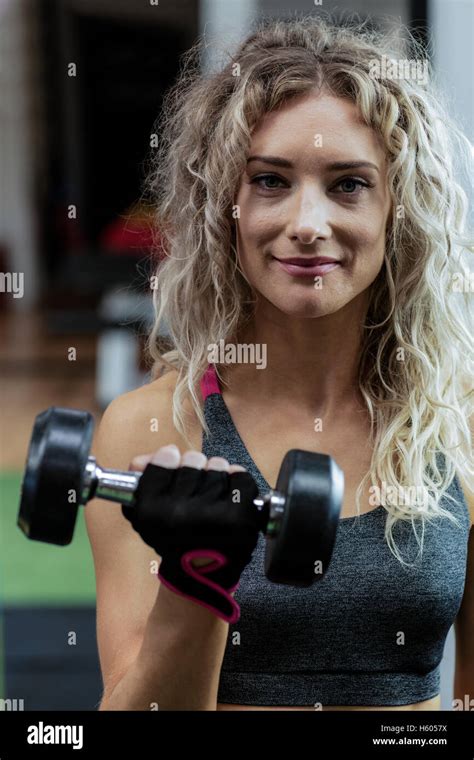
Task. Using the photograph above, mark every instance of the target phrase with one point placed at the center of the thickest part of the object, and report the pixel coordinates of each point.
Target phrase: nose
(309, 217)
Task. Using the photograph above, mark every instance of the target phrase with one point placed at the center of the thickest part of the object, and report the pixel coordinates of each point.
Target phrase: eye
(350, 185)
(264, 178)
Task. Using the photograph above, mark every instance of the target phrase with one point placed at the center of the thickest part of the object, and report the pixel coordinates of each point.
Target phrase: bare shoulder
(140, 421)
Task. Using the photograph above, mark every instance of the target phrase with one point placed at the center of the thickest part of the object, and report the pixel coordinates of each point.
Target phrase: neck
(306, 363)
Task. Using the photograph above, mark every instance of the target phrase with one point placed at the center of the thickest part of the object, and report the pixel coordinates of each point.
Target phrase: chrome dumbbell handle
(120, 486)
(111, 485)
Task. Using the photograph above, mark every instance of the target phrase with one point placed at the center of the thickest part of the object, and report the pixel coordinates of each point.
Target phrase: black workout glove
(185, 513)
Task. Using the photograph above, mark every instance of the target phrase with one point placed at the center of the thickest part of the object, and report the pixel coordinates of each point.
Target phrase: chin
(307, 310)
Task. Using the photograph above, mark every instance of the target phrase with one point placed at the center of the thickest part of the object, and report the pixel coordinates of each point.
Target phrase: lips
(303, 261)
(315, 266)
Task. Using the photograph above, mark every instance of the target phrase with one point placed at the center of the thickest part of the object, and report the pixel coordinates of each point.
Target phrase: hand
(169, 456)
(195, 513)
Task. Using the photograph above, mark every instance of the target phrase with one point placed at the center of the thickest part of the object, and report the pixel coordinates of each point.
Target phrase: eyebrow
(336, 166)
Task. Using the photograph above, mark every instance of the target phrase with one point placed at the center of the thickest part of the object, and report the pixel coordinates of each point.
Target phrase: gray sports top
(370, 632)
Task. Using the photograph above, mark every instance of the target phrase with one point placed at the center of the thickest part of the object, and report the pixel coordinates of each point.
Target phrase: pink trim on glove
(198, 573)
(219, 561)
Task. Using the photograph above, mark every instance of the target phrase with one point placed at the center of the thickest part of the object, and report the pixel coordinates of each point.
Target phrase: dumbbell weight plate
(54, 474)
(306, 525)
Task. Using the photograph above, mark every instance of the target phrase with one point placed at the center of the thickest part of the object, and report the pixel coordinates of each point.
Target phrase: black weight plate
(55, 464)
(314, 489)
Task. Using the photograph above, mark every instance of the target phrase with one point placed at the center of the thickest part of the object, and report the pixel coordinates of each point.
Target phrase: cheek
(368, 245)
(254, 235)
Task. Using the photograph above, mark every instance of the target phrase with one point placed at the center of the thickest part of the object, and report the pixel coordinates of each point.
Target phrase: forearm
(178, 665)
(463, 691)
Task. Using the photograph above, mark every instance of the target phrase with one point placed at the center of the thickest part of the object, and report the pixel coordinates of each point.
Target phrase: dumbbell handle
(120, 486)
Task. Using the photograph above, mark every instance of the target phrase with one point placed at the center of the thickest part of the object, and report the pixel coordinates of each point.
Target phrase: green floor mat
(32, 572)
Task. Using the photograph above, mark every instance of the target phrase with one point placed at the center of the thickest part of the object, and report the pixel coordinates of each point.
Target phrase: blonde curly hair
(419, 406)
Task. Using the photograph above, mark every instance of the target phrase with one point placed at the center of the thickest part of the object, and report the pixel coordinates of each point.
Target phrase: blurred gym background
(75, 256)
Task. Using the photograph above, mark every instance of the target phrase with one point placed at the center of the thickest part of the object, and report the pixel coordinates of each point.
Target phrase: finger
(189, 473)
(218, 463)
(167, 456)
(236, 468)
(193, 458)
(188, 480)
(139, 462)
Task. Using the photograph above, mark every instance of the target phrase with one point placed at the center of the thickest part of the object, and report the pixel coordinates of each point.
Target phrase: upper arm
(126, 588)
(464, 624)
(464, 631)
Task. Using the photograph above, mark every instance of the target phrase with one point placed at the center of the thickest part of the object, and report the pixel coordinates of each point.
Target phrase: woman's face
(321, 192)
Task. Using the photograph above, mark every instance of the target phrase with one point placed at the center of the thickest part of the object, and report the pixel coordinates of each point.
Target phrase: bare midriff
(427, 704)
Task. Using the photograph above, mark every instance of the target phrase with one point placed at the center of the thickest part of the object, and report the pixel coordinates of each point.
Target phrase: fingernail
(167, 456)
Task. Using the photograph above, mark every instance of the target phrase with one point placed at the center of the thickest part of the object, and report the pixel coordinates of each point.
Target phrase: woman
(295, 150)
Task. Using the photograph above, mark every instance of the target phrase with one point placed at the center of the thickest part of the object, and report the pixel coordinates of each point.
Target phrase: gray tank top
(370, 632)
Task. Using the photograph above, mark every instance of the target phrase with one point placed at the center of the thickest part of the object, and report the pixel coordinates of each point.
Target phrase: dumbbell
(299, 518)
